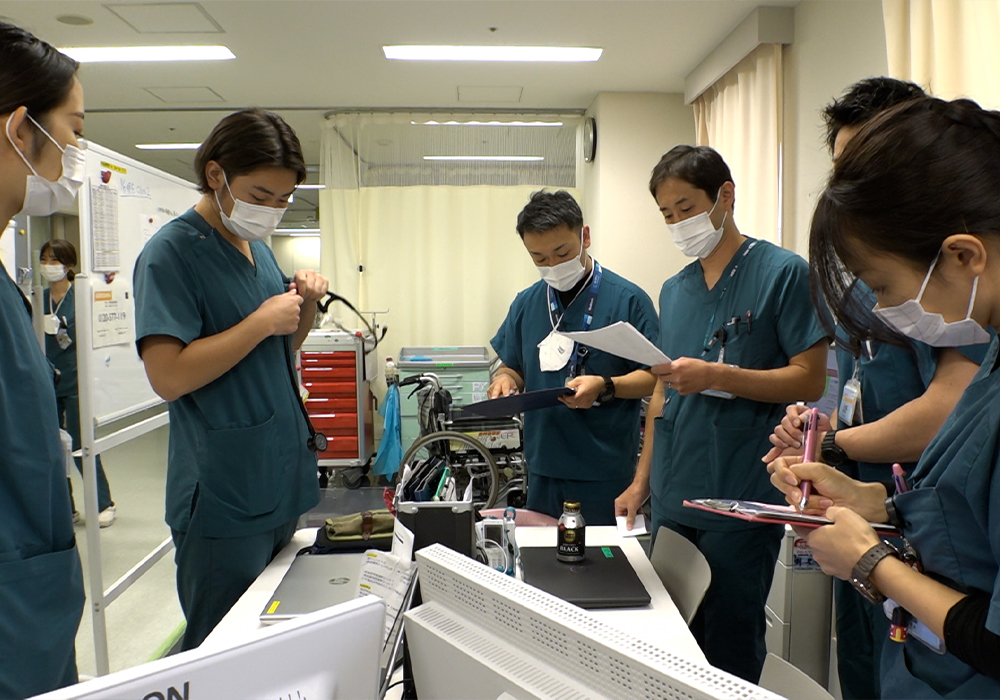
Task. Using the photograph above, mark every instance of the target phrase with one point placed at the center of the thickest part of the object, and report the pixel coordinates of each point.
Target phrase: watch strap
(830, 452)
(866, 564)
(895, 519)
(609, 390)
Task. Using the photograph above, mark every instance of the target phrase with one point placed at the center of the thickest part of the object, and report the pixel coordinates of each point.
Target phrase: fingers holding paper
(686, 375)
(838, 547)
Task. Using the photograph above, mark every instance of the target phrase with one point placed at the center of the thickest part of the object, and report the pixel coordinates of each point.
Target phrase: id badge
(63, 339)
(849, 401)
(554, 352)
(917, 629)
(50, 323)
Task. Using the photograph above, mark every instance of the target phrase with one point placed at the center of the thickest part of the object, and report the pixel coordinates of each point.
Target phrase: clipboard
(505, 406)
(769, 513)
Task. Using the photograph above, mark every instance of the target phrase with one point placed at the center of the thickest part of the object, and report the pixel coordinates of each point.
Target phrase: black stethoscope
(317, 441)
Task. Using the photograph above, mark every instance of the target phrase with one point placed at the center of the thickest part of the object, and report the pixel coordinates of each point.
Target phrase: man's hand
(630, 502)
(787, 435)
(310, 285)
(687, 375)
(280, 313)
(588, 388)
(503, 385)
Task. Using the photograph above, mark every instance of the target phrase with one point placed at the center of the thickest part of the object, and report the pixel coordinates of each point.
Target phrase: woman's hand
(838, 547)
(787, 435)
(829, 488)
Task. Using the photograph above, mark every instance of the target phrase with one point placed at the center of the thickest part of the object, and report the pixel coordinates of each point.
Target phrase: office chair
(683, 569)
(786, 680)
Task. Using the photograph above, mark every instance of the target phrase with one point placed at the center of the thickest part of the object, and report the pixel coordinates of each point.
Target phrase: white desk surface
(659, 624)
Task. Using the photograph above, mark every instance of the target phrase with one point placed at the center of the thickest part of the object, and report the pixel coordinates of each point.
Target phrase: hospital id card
(849, 401)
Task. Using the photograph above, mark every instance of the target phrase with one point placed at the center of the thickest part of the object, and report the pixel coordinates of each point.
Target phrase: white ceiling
(306, 57)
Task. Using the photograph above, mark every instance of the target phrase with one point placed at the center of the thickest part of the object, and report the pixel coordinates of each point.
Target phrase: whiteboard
(122, 204)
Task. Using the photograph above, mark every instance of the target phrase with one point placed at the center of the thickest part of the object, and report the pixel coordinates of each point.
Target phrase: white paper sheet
(638, 527)
(624, 340)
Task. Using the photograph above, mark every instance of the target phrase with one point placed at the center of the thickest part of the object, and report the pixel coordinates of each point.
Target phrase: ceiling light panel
(504, 159)
(166, 18)
(183, 95)
(168, 146)
(549, 54)
(125, 54)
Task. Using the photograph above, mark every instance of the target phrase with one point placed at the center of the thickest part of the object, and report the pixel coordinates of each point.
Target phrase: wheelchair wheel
(460, 452)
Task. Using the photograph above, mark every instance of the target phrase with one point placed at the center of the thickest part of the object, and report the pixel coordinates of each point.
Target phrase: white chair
(783, 678)
(683, 569)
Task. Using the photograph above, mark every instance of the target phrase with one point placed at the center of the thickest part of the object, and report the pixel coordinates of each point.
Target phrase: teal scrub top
(710, 447)
(63, 359)
(41, 583)
(238, 463)
(890, 377)
(596, 444)
(952, 518)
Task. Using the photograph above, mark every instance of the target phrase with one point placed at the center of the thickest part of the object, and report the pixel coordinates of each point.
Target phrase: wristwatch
(830, 452)
(863, 569)
(609, 391)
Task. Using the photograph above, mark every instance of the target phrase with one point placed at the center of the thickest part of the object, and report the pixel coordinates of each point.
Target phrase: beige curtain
(950, 47)
(740, 117)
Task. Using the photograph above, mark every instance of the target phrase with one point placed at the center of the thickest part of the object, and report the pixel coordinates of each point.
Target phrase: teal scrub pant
(213, 572)
(730, 623)
(597, 498)
(69, 419)
(862, 629)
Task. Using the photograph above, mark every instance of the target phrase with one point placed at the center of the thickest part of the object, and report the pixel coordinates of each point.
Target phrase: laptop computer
(313, 582)
(605, 579)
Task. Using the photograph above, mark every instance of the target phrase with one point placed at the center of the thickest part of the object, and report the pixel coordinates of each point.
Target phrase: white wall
(629, 236)
(295, 253)
(836, 44)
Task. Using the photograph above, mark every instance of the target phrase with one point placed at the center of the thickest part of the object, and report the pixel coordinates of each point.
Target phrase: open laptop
(605, 579)
(313, 582)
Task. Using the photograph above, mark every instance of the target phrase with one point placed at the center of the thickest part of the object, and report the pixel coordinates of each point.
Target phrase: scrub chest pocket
(242, 467)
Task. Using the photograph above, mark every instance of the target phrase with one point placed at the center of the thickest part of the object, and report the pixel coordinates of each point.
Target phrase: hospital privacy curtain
(950, 47)
(740, 116)
(434, 242)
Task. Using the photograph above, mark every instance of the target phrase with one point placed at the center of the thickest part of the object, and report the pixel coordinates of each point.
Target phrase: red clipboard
(755, 512)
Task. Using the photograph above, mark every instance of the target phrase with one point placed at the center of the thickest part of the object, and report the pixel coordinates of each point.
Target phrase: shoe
(77, 518)
(106, 517)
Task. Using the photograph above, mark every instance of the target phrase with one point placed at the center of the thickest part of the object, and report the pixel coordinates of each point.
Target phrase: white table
(660, 623)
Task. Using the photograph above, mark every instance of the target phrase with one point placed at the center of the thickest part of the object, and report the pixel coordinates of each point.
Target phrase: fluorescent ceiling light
(310, 231)
(105, 54)
(311, 187)
(515, 159)
(491, 123)
(167, 146)
(303, 235)
(492, 53)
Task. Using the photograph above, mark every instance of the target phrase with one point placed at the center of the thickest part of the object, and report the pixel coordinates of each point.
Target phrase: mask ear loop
(972, 300)
(927, 278)
(11, 139)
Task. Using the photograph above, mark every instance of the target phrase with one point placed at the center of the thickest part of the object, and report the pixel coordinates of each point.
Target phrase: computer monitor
(330, 654)
(482, 635)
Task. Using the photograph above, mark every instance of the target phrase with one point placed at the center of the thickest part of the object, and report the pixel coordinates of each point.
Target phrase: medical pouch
(370, 529)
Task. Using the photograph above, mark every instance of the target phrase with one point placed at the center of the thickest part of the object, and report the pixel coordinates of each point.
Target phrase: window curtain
(740, 116)
(950, 47)
(434, 243)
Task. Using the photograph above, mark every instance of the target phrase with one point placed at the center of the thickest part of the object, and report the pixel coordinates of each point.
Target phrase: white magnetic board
(122, 204)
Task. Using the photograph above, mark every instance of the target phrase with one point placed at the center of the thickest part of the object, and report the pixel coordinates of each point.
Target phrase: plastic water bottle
(391, 373)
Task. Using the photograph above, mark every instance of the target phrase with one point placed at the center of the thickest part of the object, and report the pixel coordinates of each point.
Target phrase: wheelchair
(485, 453)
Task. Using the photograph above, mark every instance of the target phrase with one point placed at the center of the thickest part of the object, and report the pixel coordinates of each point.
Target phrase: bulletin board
(123, 203)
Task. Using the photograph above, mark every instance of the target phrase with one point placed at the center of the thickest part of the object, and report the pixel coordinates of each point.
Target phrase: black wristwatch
(863, 569)
(830, 453)
(609, 391)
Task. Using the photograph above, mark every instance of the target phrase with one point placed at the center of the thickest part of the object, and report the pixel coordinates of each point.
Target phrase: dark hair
(699, 166)
(548, 210)
(33, 73)
(63, 251)
(864, 100)
(912, 176)
(247, 140)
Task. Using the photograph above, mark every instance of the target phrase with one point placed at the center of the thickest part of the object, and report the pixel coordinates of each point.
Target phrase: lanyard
(709, 342)
(588, 314)
(59, 305)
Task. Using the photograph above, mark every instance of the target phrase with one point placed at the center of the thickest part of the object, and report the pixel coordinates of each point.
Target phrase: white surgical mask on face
(696, 237)
(53, 273)
(910, 319)
(564, 276)
(43, 197)
(251, 222)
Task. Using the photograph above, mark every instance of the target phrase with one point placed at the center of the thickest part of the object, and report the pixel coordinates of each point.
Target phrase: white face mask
(251, 222)
(43, 197)
(564, 276)
(696, 237)
(53, 273)
(910, 319)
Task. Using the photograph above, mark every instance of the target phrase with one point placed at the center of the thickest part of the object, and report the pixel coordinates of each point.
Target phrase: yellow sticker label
(103, 296)
(274, 606)
(112, 166)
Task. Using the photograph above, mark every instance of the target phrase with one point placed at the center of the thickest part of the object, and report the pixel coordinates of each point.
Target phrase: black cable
(399, 682)
(317, 441)
(324, 306)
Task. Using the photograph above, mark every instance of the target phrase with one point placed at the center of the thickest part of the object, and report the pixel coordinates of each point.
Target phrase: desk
(659, 624)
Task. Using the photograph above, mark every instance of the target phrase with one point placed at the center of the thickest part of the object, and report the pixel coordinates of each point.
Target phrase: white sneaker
(107, 516)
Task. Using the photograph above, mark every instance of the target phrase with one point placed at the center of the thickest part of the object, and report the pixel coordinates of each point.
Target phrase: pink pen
(809, 452)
